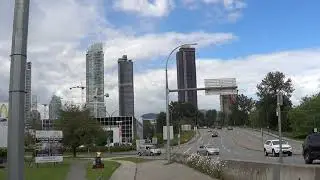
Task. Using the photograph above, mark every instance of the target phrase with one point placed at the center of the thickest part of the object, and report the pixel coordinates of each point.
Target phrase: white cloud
(60, 30)
(56, 31)
(157, 8)
(229, 10)
(302, 66)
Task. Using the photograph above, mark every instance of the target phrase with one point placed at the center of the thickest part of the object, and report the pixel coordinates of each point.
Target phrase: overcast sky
(236, 38)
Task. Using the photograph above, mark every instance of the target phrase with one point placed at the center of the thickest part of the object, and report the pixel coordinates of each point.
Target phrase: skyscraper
(55, 107)
(125, 83)
(28, 95)
(95, 80)
(186, 75)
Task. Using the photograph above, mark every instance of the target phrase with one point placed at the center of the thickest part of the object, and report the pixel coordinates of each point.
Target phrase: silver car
(148, 150)
(208, 150)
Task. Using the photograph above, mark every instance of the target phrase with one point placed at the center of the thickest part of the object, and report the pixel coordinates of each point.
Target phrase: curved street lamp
(167, 98)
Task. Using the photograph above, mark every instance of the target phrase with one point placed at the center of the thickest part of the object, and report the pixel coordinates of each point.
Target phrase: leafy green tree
(161, 121)
(241, 109)
(211, 117)
(305, 116)
(148, 129)
(78, 128)
(221, 118)
(270, 86)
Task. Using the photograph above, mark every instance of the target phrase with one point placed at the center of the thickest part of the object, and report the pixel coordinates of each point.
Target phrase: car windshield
(277, 142)
(210, 146)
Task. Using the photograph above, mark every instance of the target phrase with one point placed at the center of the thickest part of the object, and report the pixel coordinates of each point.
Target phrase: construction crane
(82, 91)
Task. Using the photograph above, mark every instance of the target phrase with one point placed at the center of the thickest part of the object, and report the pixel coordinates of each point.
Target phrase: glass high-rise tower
(125, 83)
(186, 75)
(95, 80)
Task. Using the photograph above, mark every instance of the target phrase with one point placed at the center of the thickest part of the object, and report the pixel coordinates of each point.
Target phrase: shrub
(3, 152)
(204, 164)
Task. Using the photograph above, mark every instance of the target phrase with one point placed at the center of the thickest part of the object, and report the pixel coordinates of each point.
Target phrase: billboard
(224, 86)
(49, 147)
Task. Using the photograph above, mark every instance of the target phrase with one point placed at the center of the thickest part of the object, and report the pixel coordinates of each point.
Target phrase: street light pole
(17, 91)
(279, 104)
(167, 100)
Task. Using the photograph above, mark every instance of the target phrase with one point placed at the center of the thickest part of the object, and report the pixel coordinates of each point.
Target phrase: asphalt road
(240, 144)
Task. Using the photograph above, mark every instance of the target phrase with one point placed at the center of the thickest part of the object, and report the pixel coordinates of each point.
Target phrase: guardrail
(249, 170)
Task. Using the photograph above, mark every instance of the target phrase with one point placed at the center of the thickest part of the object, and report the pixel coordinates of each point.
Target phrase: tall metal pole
(167, 101)
(279, 103)
(17, 91)
(167, 118)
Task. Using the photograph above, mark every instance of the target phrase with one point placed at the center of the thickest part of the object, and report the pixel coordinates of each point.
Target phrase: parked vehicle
(311, 148)
(148, 150)
(273, 147)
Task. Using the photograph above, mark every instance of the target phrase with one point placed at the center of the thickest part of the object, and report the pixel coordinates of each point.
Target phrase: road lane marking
(187, 150)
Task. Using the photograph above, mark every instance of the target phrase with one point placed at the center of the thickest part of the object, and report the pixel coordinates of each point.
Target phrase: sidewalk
(157, 170)
(77, 171)
(126, 171)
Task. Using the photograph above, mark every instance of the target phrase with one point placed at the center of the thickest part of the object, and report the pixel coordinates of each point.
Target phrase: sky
(242, 39)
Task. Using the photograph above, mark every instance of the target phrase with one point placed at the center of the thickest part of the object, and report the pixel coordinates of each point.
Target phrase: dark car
(311, 148)
(214, 134)
(219, 127)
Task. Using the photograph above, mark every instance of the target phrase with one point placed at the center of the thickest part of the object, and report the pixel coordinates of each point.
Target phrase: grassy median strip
(132, 159)
(43, 171)
(105, 173)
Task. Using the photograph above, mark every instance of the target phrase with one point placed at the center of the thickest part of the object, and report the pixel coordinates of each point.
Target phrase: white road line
(224, 146)
(187, 150)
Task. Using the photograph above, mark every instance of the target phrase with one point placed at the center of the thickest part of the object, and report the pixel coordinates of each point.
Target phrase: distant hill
(149, 116)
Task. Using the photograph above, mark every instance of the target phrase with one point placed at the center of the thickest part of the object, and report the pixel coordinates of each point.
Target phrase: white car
(273, 147)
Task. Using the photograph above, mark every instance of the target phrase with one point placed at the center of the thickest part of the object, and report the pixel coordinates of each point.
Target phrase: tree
(78, 128)
(305, 116)
(241, 109)
(183, 113)
(148, 129)
(161, 121)
(270, 86)
(211, 117)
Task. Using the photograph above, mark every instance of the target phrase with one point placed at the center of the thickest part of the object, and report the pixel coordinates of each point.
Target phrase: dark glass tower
(186, 75)
(125, 83)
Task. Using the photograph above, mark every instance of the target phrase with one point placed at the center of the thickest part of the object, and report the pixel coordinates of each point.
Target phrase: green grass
(186, 136)
(43, 171)
(106, 172)
(133, 159)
